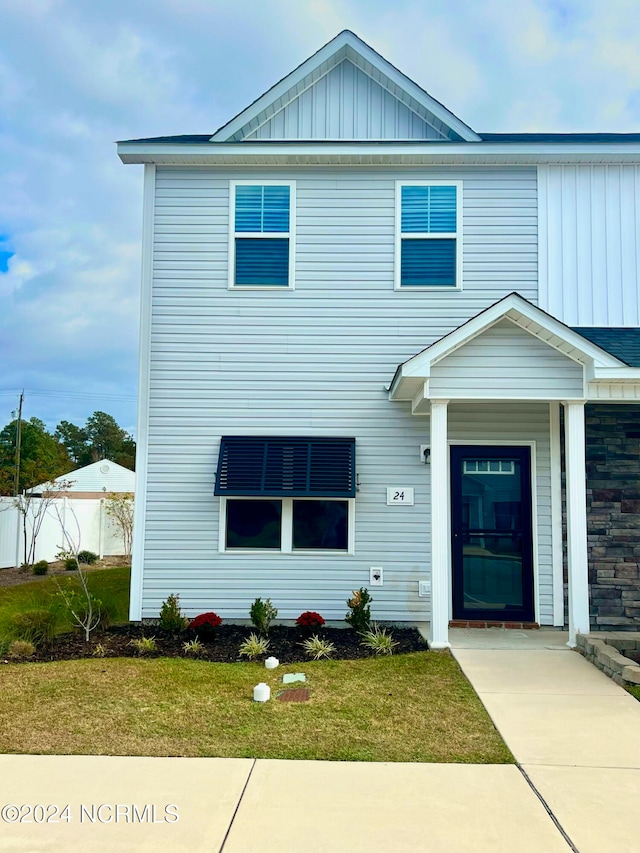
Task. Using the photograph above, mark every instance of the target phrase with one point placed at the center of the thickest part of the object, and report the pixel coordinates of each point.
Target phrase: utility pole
(16, 483)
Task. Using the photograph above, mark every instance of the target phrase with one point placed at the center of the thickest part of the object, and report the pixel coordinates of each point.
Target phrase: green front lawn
(416, 707)
(111, 586)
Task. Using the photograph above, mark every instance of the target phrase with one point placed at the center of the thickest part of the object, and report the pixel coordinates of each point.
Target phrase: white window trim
(428, 236)
(291, 234)
(287, 528)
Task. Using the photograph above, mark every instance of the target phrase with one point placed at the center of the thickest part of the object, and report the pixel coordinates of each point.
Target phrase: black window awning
(280, 466)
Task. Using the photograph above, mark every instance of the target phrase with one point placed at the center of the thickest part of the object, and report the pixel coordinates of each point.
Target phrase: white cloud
(76, 76)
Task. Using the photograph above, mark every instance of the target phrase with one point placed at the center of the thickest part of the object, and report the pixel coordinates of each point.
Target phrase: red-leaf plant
(205, 624)
(310, 619)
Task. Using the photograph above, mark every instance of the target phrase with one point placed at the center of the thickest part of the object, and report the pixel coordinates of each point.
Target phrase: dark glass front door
(491, 529)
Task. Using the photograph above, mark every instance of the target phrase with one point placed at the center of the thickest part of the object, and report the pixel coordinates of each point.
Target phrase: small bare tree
(33, 511)
(119, 506)
(83, 606)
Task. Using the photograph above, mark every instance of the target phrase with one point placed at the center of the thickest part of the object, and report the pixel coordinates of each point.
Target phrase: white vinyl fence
(85, 522)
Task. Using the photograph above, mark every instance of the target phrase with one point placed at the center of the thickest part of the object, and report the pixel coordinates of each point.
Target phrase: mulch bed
(284, 643)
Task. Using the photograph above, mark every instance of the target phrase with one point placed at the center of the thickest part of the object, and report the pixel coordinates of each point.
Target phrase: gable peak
(346, 90)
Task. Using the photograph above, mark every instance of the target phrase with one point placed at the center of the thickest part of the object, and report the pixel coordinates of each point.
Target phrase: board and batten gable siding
(313, 361)
(505, 361)
(590, 244)
(348, 104)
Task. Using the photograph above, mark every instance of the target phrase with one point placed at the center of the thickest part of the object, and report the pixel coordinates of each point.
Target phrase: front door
(492, 543)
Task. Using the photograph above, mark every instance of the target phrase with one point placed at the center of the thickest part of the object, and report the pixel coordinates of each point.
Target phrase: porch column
(440, 561)
(577, 556)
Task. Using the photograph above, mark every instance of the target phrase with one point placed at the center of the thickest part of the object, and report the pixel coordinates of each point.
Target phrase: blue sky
(76, 76)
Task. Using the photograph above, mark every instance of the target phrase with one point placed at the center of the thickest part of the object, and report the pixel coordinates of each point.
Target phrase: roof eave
(373, 153)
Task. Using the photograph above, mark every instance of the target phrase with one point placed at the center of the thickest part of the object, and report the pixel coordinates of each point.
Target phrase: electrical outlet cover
(424, 587)
(376, 576)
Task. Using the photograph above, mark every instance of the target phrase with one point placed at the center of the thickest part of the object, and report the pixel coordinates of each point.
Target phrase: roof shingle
(624, 343)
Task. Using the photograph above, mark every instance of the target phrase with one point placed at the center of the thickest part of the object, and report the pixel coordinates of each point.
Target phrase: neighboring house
(375, 346)
(77, 517)
(92, 481)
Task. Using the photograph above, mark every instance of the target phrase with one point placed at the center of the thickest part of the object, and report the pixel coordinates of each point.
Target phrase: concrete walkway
(242, 806)
(575, 734)
(573, 731)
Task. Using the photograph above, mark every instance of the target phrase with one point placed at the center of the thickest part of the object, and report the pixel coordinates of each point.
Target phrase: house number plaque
(400, 495)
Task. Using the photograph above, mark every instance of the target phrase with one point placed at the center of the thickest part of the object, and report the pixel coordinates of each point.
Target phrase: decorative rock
(271, 663)
(631, 674)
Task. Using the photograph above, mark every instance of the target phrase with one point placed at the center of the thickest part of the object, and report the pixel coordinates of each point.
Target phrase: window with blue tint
(262, 225)
(429, 239)
(428, 263)
(262, 262)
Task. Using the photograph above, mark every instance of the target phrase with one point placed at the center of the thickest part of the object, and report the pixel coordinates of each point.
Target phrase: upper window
(428, 235)
(261, 244)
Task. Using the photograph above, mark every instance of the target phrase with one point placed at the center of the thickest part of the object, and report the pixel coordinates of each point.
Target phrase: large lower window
(287, 525)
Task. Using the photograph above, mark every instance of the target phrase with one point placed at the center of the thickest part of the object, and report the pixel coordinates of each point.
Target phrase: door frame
(496, 442)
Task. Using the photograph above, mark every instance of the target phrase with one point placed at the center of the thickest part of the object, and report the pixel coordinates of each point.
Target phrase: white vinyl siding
(315, 361)
(507, 362)
(590, 244)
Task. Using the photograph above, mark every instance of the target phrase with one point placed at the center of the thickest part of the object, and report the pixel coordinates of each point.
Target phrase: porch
(511, 359)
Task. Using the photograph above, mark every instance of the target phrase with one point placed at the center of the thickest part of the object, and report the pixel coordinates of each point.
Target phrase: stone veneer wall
(613, 520)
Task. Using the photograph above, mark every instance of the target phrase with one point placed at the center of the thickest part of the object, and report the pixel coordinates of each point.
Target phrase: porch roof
(554, 363)
(623, 343)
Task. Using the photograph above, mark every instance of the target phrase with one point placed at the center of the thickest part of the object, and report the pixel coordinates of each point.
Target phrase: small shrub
(310, 619)
(359, 615)
(82, 605)
(378, 640)
(262, 614)
(193, 647)
(171, 618)
(35, 626)
(87, 557)
(144, 645)
(70, 564)
(40, 568)
(21, 650)
(99, 651)
(253, 647)
(204, 626)
(63, 554)
(315, 647)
